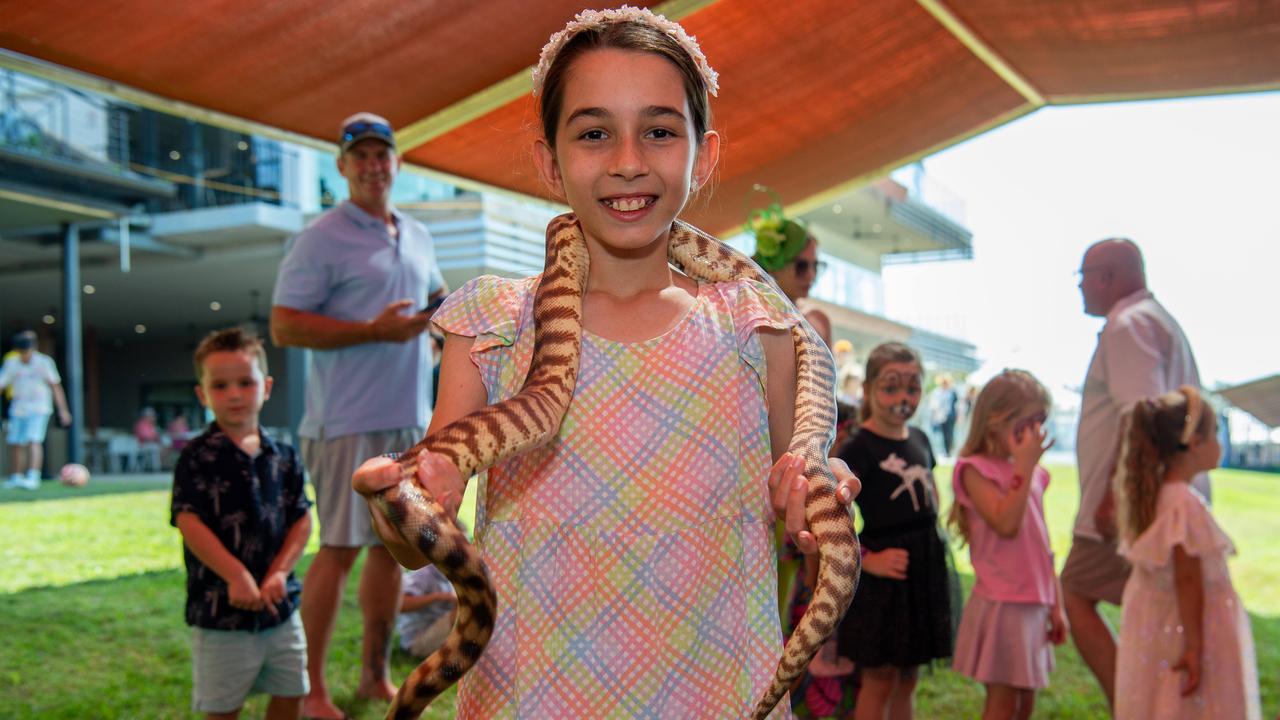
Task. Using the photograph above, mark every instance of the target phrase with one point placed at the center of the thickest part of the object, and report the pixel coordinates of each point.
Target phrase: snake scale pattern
(532, 417)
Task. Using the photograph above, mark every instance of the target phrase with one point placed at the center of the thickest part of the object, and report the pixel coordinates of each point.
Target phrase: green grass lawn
(91, 594)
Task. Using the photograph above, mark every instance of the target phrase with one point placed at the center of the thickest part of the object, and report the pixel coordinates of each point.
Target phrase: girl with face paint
(904, 612)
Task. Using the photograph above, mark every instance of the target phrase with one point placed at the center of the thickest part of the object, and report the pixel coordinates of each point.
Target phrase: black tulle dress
(909, 622)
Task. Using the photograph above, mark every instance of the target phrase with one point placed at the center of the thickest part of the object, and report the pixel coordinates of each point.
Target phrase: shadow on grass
(106, 485)
(119, 648)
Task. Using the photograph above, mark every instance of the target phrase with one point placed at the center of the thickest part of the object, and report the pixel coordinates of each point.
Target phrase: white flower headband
(1195, 408)
(599, 19)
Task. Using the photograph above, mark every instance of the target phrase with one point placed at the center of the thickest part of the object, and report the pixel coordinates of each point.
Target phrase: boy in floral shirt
(238, 501)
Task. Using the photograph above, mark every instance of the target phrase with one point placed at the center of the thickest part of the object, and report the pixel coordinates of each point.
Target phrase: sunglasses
(362, 127)
(804, 266)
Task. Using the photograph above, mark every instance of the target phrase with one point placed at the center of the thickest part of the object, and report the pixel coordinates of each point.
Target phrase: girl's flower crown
(599, 19)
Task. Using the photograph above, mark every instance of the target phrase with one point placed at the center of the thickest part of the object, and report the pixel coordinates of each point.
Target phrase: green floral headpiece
(778, 239)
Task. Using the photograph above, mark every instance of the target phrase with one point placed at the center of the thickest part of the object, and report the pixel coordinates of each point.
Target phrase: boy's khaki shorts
(229, 665)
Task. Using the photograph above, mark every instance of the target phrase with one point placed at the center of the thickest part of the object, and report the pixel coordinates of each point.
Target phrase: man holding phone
(358, 287)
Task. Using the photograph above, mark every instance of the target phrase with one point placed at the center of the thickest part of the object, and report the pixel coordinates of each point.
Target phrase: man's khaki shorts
(1095, 570)
(344, 515)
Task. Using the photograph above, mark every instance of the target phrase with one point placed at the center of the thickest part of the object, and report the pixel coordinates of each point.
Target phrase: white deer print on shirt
(911, 474)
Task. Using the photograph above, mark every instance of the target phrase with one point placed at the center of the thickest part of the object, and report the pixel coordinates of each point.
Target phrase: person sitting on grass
(427, 610)
(238, 501)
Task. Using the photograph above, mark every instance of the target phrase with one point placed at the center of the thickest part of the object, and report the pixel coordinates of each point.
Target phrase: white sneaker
(30, 484)
(14, 481)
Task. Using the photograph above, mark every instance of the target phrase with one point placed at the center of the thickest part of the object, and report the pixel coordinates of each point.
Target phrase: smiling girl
(632, 555)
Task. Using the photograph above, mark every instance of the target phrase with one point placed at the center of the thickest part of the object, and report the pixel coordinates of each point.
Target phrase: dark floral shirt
(249, 504)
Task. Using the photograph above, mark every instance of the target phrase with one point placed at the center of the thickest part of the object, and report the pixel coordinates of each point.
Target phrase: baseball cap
(364, 125)
(24, 340)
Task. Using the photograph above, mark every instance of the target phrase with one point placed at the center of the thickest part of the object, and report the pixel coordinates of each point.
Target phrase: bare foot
(320, 707)
(377, 690)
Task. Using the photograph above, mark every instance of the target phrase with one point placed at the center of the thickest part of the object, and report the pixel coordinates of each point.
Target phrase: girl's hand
(1027, 445)
(888, 563)
(374, 475)
(1190, 664)
(1058, 625)
(434, 473)
(788, 489)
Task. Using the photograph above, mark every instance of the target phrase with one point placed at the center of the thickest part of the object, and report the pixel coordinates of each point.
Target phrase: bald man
(1141, 353)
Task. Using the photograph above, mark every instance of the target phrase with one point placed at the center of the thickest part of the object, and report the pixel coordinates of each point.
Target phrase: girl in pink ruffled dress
(1185, 648)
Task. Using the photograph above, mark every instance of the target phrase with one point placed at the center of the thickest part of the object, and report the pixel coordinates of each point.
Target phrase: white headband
(599, 19)
(1195, 408)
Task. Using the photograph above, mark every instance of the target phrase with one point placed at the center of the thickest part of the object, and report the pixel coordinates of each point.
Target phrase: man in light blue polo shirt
(353, 287)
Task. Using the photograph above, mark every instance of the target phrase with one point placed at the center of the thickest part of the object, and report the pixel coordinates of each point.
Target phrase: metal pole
(73, 375)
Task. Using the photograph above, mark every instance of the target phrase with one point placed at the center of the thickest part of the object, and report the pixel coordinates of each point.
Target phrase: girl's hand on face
(888, 563)
(1027, 445)
(788, 490)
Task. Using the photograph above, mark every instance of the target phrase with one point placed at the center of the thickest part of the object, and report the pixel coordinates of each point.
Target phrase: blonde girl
(1014, 615)
(1185, 648)
(633, 555)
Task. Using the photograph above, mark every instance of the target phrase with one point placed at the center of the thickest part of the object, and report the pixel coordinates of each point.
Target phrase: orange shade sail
(816, 95)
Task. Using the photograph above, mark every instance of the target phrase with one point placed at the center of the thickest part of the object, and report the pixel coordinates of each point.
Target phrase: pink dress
(1003, 637)
(1151, 629)
(633, 556)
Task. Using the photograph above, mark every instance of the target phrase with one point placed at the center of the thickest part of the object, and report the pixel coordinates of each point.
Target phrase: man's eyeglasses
(1090, 268)
(804, 266)
(362, 127)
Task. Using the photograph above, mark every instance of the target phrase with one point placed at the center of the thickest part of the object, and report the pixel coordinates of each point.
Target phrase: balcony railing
(40, 118)
(212, 167)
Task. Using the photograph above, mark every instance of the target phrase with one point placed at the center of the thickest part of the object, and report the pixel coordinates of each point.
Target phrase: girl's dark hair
(634, 36)
(881, 355)
(1150, 436)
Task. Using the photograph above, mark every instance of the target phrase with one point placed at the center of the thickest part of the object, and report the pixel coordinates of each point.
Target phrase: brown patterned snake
(532, 417)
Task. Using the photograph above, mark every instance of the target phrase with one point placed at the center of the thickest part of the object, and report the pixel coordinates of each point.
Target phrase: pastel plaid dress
(633, 556)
